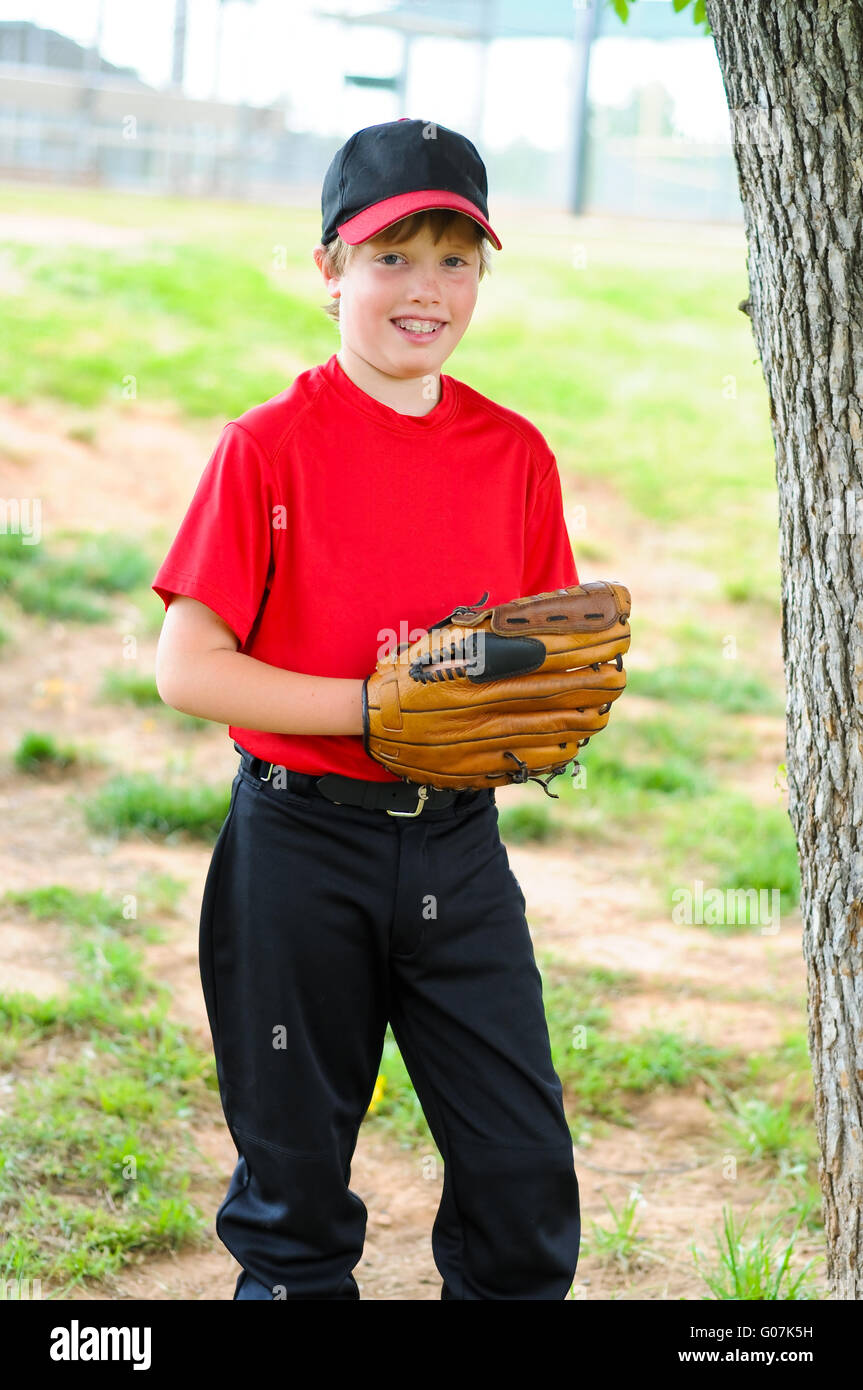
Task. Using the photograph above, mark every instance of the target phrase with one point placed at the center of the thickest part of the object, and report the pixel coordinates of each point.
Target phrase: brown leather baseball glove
(496, 695)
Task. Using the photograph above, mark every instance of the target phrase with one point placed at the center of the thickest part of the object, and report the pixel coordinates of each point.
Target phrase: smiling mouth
(419, 330)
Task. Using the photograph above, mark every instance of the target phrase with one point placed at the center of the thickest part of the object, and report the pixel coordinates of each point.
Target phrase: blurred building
(68, 115)
(630, 162)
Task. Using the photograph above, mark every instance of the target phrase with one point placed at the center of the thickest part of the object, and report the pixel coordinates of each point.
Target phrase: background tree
(792, 75)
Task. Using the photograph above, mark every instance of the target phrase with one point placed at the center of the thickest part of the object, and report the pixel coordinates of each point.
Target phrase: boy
(331, 523)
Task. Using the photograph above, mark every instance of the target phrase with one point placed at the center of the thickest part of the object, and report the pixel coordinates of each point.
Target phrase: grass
(150, 611)
(770, 1117)
(97, 1160)
(790, 1059)
(624, 366)
(700, 669)
(698, 684)
(136, 687)
(610, 1070)
(96, 1151)
(757, 1270)
(744, 845)
(602, 1073)
(88, 1169)
(15, 557)
(203, 327)
(139, 688)
(599, 1071)
(619, 1246)
(654, 781)
(66, 578)
(624, 395)
(803, 1201)
(771, 1130)
(634, 763)
(396, 1110)
(629, 775)
(653, 776)
(529, 823)
(37, 752)
(694, 735)
(146, 804)
(157, 895)
(620, 780)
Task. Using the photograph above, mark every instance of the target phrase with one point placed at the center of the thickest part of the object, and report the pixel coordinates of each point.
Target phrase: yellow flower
(378, 1094)
(54, 690)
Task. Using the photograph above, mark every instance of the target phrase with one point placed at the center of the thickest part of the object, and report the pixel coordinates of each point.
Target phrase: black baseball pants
(319, 924)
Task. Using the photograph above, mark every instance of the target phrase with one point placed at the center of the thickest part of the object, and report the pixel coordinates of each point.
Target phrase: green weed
(746, 846)
(138, 687)
(37, 752)
(58, 582)
(96, 1151)
(757, 1270)
(619, 1247)
(147, 804)
(701, 683)
(528, 823)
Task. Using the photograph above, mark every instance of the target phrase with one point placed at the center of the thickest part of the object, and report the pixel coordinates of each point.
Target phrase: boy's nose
(426, 294)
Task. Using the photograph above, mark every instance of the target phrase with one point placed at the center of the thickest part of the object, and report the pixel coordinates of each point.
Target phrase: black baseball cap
(385, 172)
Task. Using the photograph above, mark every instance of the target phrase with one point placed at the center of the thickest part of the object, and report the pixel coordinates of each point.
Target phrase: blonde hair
(438, 221)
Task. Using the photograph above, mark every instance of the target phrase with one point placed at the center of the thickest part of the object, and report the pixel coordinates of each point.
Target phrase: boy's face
(416, 282)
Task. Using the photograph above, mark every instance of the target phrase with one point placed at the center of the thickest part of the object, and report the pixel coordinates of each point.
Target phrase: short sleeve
(548, 560)
(221, 554)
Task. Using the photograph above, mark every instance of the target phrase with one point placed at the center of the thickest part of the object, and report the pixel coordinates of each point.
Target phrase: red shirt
(327, 527)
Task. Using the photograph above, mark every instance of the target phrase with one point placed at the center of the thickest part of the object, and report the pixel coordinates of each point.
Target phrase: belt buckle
(269, 774)
(421, 800)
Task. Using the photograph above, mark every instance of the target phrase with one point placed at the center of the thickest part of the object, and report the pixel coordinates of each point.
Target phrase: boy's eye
(390, 255)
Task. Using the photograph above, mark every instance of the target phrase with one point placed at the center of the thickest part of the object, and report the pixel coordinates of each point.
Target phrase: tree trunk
(792, 75)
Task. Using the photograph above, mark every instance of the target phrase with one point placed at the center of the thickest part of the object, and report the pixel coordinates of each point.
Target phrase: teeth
(417, 325)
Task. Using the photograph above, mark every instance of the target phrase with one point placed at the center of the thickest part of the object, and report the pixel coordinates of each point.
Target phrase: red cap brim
(374, 219)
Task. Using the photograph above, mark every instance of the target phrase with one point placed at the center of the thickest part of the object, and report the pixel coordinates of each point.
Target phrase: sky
(283, 50)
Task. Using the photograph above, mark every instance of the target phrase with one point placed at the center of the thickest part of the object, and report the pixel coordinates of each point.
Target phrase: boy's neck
(408, 395)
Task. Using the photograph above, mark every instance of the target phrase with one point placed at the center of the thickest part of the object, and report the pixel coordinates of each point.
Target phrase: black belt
(396, 798)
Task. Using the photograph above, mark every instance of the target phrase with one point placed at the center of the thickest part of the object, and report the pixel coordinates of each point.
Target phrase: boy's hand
(503, 694)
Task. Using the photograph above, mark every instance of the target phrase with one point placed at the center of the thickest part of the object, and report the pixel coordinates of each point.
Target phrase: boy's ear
(322, 262)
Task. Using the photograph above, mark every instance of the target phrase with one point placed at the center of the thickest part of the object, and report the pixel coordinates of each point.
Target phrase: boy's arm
(199, 671)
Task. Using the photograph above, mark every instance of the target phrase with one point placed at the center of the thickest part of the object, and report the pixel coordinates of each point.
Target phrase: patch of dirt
(140, 470)
(590, 909)
(34, 958)
(720, 1022)
(397, 1259)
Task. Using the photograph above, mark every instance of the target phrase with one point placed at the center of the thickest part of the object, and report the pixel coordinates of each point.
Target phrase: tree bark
(792, 75)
